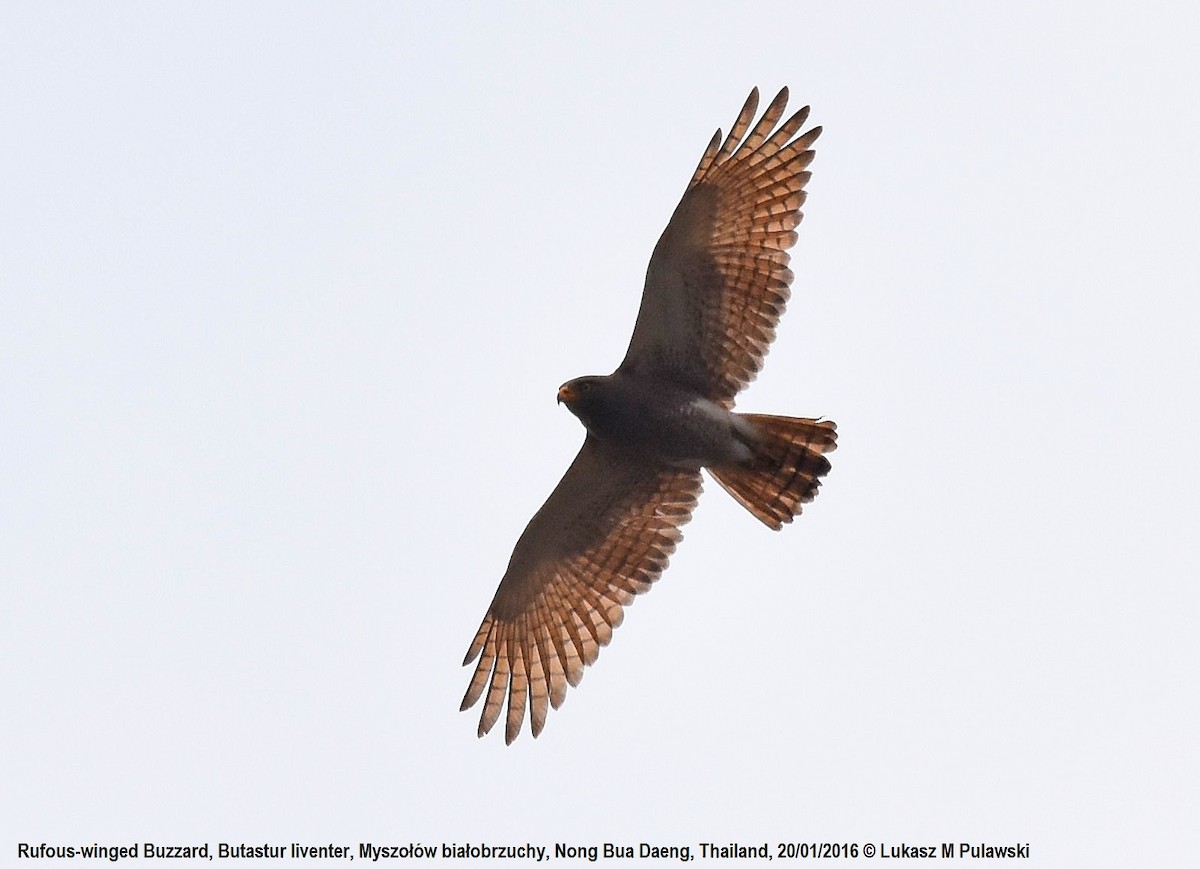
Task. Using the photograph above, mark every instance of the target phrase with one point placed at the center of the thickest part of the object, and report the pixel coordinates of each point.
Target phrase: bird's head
(583, 396)
(577, 392)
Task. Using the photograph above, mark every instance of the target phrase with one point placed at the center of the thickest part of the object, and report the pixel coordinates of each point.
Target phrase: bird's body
(716, 286)
(673, 424)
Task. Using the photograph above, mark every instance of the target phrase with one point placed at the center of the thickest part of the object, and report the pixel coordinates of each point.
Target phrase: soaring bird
(715, 289)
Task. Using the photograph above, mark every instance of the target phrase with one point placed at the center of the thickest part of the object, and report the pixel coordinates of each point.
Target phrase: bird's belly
(692, 433)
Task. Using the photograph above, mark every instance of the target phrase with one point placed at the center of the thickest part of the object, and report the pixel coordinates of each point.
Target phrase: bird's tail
(786, 469)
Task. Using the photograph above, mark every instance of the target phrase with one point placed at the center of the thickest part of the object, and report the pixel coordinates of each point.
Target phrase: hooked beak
(565, 393)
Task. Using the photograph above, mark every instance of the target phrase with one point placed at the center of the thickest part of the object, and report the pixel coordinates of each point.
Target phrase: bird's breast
(672, 426)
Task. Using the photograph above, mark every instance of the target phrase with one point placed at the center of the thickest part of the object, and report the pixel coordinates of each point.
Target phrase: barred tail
(786, 469)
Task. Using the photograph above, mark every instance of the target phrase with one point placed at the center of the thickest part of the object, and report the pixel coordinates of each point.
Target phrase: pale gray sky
(286, 291)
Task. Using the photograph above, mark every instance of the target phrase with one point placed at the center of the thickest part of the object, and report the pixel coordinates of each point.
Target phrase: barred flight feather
(532, 657)
(750, 195)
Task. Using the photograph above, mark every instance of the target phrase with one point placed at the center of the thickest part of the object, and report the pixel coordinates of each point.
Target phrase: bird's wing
(718, 280)
(603, 536)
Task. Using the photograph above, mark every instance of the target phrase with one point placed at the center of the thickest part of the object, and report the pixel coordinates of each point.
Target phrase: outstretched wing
(718, 280)
(603, 536)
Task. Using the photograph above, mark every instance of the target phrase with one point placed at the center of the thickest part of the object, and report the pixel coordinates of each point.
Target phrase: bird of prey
(715, 289)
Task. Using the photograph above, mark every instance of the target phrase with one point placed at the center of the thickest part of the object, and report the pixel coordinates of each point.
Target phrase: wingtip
(780, 102)
(750, 107)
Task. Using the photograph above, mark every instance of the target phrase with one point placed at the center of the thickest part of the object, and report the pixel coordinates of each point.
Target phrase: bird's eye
(585, 386)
